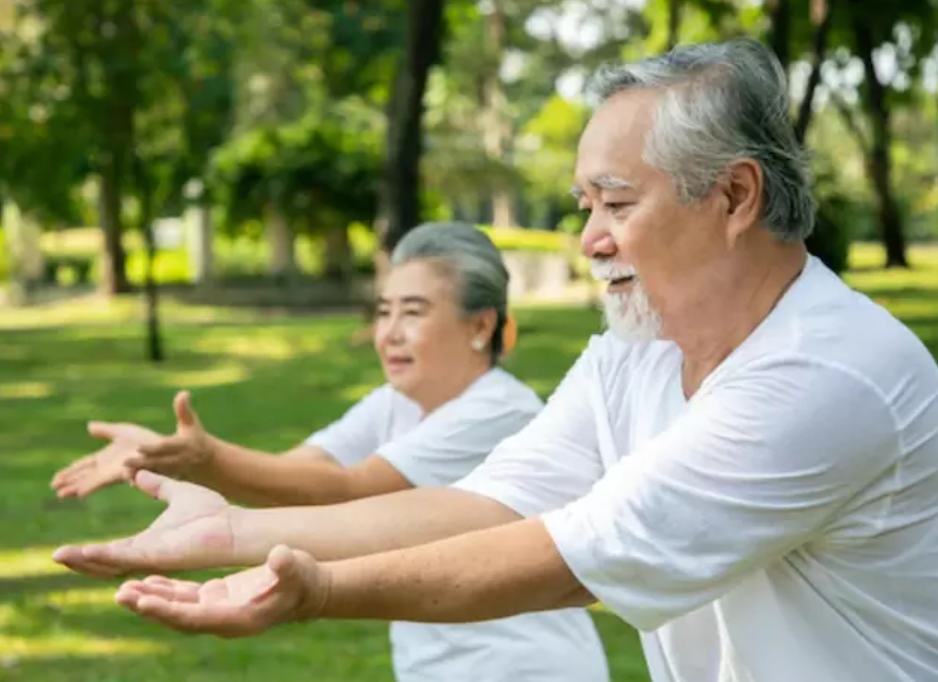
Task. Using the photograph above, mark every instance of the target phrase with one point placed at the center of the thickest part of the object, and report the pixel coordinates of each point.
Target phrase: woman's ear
(483, 325)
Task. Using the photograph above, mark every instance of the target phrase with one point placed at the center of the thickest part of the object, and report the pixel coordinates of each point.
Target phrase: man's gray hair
(722, 102)
(466, 254)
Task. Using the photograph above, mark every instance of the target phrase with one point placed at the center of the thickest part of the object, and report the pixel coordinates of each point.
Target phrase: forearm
(260, 479)
(493, 573)
(365, 526)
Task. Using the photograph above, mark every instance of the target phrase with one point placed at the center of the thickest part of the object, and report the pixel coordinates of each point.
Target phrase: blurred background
(199, 195)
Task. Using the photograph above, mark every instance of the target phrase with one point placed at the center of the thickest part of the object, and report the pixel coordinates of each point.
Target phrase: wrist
(250, 545)
(317, 593)
(207, 459)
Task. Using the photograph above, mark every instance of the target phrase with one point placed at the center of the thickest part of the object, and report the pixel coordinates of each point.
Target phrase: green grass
(266, 382)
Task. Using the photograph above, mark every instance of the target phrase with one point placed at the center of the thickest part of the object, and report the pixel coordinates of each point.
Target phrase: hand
(194, 532)
(189, 448)
(106, 466)
(290, 587)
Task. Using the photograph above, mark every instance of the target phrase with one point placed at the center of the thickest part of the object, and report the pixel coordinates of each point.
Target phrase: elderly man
(745, 468)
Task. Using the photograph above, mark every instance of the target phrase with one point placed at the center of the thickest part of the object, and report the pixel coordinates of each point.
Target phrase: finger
(74, 558)
(182, 406)
(164, 447)
(86, 462)
(181, 590)
(161, 465)
(157, 486)
(217, 618)
(288, 574)
(182, 587)
(120, 556)
(92, 483)
(103, 430)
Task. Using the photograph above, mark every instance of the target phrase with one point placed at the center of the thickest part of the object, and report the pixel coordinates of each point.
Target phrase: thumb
(156, 486)
(297, 577)
(182, 406)
(103, 430)
(285, 565)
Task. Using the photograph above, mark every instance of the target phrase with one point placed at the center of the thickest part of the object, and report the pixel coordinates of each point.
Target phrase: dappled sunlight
(29, 562)
(228, 373)
(67, 599)
(25, 390)
(75, 644)
(268, 345)
(126, 310)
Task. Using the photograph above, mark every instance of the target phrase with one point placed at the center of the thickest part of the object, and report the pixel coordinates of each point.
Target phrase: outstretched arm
(485, 574)
(313, 477)
(200, 530)
(305, 475)
(482, 575)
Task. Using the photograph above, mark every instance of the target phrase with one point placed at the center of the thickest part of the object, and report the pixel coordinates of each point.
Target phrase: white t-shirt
(437, 450)
(780, 526)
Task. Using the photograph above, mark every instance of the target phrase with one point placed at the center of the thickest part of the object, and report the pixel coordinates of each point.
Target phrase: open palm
(288, 587)
(106, 466)
(193, 532)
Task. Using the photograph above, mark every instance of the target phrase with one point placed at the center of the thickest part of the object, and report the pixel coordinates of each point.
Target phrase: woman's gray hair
(468, 256)
(723, 102)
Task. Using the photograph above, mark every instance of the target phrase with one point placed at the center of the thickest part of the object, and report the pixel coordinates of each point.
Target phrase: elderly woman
(441, 327)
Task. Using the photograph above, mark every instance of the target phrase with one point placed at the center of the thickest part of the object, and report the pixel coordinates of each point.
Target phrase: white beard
(630, 315)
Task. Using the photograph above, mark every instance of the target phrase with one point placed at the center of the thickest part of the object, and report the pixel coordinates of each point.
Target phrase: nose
(386, 331)
(596, 240)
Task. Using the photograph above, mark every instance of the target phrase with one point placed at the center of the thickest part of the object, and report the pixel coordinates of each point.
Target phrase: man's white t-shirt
(779, 526)
(437, 450)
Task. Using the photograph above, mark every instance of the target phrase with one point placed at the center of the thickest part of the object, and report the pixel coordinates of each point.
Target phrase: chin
(630, 317)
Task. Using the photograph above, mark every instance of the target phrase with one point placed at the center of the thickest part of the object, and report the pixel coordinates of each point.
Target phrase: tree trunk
(399, 207)
(780, 30)
(338, 255)
(23, 252)
(675, 8)
(154, 338)
(497, 126)
(114, 259)
(118, 135)
(880, 166)
(199, 233)
(821, 11)
(280, 241)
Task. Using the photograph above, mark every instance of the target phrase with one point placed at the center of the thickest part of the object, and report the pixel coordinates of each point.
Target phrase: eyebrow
(405, 300)
(604, 181)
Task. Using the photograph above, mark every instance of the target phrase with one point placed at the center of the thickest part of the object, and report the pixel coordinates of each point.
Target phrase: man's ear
(743, 185)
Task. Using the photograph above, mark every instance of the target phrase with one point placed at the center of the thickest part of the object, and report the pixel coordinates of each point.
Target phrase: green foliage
(321, 170)
(4, 258)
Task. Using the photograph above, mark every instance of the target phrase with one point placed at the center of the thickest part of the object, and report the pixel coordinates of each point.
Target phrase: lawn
(265, 381)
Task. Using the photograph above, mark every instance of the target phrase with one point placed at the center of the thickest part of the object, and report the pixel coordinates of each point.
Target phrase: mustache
(609, 270)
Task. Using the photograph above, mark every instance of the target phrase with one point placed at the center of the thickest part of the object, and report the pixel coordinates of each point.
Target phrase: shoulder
(496, 392)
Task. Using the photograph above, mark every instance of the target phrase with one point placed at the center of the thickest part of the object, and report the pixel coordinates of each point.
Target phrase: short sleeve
(454, 439)
(755, 468)
(554, 460)
(355, 435)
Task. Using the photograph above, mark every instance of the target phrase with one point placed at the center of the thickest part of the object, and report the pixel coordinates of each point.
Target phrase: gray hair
(468, 256)
(723, 102)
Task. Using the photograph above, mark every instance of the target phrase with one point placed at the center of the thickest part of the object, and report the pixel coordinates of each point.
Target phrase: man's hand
(291, 586)
(106, 466)
(189, 448)
(194, 532)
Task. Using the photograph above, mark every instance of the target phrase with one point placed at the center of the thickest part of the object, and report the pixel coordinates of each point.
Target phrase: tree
(399, 198)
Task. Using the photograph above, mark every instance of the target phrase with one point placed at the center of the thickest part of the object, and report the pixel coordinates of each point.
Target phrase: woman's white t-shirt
(437, 450)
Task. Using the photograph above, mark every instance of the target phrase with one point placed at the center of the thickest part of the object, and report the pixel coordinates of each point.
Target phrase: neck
(452, 385)
(740, 306)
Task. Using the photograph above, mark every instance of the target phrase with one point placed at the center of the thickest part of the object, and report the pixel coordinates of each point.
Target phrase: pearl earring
(478, 345)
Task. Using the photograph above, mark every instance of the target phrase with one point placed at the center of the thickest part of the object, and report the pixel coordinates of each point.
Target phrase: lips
(398, 362)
